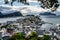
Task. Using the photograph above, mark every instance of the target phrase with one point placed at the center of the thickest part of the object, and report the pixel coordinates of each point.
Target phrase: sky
(34, 6)
(59, 0)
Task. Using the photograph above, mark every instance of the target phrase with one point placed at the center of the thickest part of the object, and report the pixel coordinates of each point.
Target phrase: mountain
(12, 14)
(47, 13)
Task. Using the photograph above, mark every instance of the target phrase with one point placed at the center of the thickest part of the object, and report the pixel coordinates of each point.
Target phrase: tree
(0, 39)
(17, 36)
(4, 26)
(12, 1)
(32, 36)
(53, 4)
(46, 37)
(24, 2)
(6, 1)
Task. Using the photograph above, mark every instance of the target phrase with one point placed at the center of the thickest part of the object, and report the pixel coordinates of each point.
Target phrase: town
(29, 19)
(25, 25)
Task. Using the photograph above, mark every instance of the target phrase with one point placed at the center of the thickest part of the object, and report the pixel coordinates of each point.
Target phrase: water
(3, 20)
(50, 19)
(55, 20)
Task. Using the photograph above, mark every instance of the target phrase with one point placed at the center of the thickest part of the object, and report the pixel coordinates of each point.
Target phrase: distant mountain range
(9, 12)
(14, 14)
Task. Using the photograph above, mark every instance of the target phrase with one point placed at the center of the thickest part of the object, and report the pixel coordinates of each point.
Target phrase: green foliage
(12, 2)
(6, 1)
(0, 39)
(22, 1)
(13, 26)
(4, 26)
(17, 36)
(46, 37)
(46, 3)
(39, 38)
(52, 2)
(8, 26)
(49, 4)
(32, 36)
(34, 19)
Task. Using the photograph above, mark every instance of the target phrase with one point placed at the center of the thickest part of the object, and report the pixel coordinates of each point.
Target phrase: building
(0, 34)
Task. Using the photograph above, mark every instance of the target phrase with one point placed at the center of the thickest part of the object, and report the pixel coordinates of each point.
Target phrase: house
(40, 33)
(5, 37)
(58, 35)
(0, 34)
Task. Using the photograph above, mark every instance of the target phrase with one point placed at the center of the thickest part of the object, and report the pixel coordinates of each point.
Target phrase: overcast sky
(31, 0)
(59, 0)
